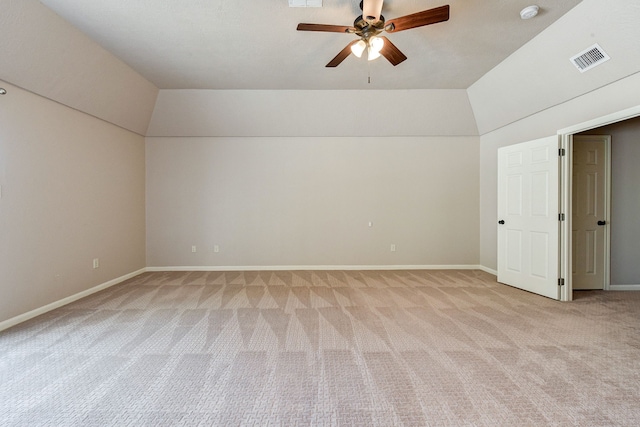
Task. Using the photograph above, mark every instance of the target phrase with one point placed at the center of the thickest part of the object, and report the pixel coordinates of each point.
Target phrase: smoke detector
(529, 12)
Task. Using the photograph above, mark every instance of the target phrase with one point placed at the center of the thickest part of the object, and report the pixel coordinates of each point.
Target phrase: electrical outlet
(216, 248)
(96, 263)
(393, 247)
(193, 248)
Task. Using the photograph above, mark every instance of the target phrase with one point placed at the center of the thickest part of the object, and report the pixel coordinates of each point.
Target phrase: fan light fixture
(374, 45)
(358, 48)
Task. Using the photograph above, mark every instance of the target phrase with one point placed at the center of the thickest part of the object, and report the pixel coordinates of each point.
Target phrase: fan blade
(391, 52)
(371, 10)
(325, 28)
(426, 17)
(341, 56)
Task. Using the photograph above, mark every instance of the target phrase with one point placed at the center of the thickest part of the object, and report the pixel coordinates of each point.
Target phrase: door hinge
(561, 152)
(560, 217)
(560, 282)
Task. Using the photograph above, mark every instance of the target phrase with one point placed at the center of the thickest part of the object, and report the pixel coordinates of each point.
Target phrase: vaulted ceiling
(253, 44)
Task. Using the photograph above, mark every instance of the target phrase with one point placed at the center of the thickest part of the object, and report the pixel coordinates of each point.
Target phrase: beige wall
(72, 190)
(41, 52)
(292, 178)
(307, 201)
(313, 113)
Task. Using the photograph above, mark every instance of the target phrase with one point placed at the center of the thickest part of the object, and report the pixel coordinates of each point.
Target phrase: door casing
(566, 184)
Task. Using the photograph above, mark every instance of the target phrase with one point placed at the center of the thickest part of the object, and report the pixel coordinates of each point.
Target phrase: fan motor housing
(366, 29)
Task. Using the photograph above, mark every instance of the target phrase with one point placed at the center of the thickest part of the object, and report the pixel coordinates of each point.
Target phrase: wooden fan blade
(391, 52)
(325, 28)
(426, 17)
(341, 56)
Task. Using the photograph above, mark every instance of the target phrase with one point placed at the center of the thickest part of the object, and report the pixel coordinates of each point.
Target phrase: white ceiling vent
(305, 3)
(589, 58)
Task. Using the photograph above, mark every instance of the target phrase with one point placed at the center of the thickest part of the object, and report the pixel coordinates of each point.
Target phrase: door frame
(566, 185)
(607, 204)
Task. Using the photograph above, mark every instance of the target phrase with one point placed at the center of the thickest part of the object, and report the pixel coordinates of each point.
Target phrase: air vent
(589, 58)
(305, 3)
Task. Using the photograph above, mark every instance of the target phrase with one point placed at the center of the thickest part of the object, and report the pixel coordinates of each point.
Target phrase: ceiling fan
(370, 24)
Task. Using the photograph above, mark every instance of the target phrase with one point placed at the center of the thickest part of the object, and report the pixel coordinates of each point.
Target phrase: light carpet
(325, 348)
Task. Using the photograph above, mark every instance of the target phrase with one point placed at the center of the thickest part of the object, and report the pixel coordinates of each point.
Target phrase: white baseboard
(624, 287)
(315, 267)
(488, 270)
(38, 311)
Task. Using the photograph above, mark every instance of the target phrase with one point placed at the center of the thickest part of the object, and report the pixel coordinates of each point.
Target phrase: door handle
(501, 222)
(602, 222)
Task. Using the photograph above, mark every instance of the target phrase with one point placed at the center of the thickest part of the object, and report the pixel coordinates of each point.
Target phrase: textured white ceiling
(253, 44)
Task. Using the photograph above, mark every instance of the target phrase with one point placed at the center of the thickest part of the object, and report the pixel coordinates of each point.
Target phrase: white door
(528, 209)
(588, 219)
